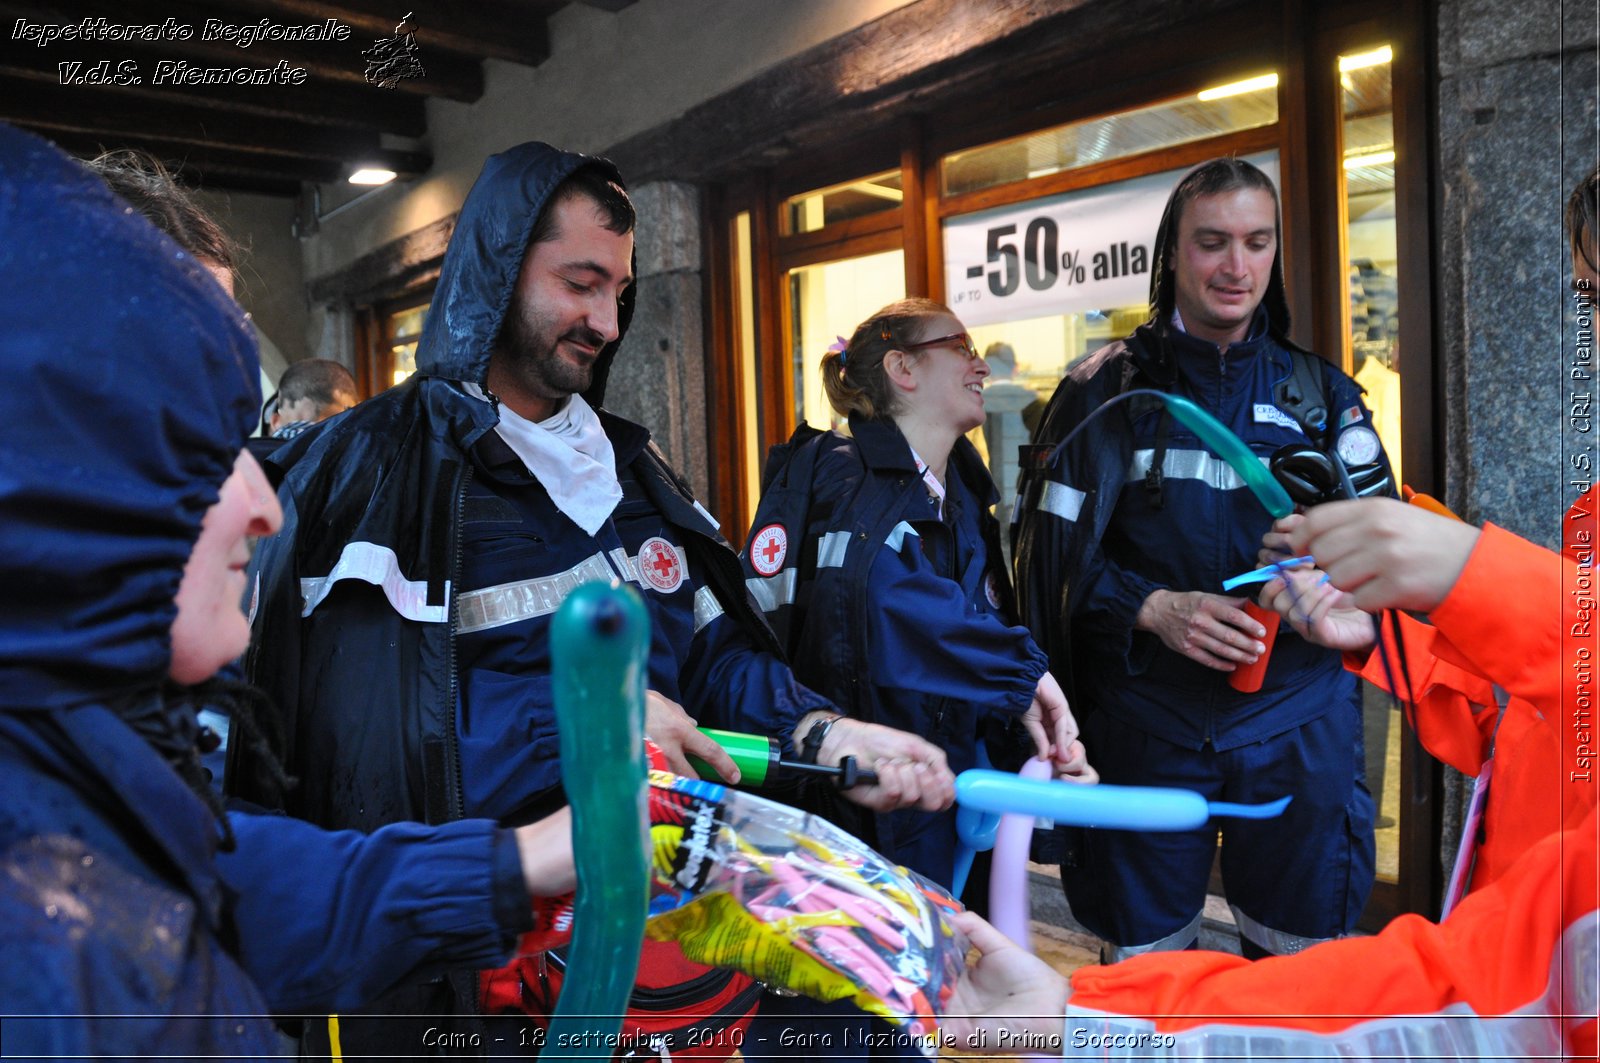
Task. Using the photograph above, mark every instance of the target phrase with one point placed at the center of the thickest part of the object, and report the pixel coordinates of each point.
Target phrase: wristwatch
(811, 745)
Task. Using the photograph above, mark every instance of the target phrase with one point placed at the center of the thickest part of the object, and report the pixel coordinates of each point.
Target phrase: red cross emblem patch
(768, 549)
(661, 565)
(991, 590)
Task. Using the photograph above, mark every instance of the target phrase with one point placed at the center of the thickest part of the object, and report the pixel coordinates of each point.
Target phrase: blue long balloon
(1103, 805)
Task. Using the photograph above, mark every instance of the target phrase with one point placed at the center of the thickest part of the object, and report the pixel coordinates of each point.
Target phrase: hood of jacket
(479, 275)
(131, 385)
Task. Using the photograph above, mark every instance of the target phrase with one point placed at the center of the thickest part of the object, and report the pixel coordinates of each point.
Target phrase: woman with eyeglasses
(877, 559)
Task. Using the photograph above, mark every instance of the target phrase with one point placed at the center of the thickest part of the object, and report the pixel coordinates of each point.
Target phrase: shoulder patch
(768, 549)
(1358, 445)
(1350, 416)
(661, 565)
(1267, 413)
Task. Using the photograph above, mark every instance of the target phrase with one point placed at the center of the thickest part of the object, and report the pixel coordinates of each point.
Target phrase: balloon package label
(791, 899)
(686, 819)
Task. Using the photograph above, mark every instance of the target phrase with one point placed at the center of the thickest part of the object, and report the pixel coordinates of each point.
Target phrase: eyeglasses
(961, 341)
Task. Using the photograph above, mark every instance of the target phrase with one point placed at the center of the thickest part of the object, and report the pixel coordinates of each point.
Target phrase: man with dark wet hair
(1122, 547)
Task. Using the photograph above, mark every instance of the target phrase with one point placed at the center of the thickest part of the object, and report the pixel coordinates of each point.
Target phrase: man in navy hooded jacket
(431, 533)
(1122, 547)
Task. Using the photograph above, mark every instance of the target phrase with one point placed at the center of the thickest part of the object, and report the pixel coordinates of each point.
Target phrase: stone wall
(1516, 130)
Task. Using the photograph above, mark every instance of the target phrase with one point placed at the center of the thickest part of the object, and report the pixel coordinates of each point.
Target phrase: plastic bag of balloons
(798, 903)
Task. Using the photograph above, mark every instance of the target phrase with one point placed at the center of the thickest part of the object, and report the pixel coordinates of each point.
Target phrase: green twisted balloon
(599, 645)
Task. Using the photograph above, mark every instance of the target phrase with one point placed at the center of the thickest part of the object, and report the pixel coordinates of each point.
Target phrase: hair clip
(841, 347)
(885, 334)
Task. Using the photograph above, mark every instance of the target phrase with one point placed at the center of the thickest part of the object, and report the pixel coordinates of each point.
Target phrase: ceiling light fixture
(1375, 57)
(372, 175)
(1371, 158)
(1239, 88)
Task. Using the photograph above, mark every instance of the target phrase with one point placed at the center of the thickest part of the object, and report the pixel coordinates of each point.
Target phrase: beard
(529, 343)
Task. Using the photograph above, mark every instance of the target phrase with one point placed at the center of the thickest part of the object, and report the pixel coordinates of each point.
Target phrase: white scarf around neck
(569, 454)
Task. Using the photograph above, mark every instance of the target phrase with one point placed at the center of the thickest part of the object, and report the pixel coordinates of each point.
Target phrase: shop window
(1367, 184)
(401, 331)
(1371, 351)
(387, 341)
(749, 368)
(828, 300)
(822, 207)
(1215, 111)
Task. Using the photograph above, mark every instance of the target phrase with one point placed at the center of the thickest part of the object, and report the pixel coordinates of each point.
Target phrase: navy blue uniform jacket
(1096, 537)
(901, 618)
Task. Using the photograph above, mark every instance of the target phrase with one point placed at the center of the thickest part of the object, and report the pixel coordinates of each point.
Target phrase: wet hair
(318, 379)
(1210, 179)
(1583, 219)
(169, 723)
(854, 379)
(151, 189)
(597, 184)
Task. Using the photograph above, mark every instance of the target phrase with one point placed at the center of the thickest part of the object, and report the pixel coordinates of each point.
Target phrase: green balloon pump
(599, 644)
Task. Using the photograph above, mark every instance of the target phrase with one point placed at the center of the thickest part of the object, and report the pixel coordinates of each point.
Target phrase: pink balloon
(1009, 909)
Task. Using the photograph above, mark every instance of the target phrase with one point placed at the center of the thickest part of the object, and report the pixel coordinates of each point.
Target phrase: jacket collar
(881, 444)
(882, 447)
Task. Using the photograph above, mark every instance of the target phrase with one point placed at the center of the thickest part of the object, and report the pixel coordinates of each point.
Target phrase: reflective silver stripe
(706, 608)
(508, 603)
(831, 549)
(897, 536)
(628, 566)
(771, 592)
(716, 525)
(1277, 942)
(1533, 1031)
(1188, 465)
(1176, 941)
(378, 566)
(1065, 502)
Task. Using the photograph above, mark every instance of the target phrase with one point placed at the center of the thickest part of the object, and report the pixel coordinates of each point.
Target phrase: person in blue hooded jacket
(135, 919)
(431, 532)
(1122, 547)
(877, 559)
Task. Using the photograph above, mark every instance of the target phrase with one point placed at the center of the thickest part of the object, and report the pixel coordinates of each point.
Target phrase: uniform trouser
(1292, 881)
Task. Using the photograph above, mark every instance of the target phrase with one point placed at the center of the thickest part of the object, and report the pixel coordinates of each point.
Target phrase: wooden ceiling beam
(485, 29)
(267, 174)
(107, 112)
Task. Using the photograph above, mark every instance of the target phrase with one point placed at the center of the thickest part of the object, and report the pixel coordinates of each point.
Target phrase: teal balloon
(1231, 449)
(599, 646)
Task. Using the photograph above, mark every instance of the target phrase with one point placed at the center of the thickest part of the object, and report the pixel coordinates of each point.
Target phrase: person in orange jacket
(1492, 730)
(1514, 972)
(1481, 728)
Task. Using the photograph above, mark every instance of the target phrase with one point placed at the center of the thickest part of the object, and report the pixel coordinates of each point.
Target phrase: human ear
(897, 368)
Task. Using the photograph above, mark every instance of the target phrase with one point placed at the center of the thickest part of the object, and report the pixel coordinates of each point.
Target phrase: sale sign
(1088, 250)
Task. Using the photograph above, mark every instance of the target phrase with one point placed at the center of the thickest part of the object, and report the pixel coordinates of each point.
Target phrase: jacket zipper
(1221, 532)
(452, 742)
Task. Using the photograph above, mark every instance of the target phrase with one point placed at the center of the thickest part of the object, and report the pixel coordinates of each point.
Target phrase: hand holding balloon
(1386, 553)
